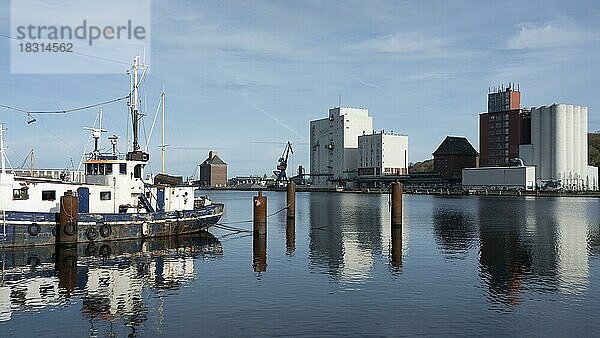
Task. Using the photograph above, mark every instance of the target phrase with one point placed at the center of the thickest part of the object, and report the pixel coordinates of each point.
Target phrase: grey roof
(214, 160)
(453, 145)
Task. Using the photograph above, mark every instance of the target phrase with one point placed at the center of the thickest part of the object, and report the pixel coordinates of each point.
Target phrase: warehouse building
(551, 138)
(213, 171)
(334, 144)
(519, 177)
(452, 155)
(382, 154)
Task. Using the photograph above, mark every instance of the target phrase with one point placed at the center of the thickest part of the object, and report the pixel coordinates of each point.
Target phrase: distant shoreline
(434, 192)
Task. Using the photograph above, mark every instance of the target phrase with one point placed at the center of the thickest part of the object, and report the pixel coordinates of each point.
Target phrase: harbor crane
(280, 173)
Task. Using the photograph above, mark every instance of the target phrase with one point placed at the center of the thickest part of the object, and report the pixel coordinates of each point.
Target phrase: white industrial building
(382, 154)
(334, 144)
(556, 156)
(559, 147)
(518, 177)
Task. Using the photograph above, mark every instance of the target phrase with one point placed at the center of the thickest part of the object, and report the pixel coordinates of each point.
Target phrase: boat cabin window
(21, 194)
(105, 195)
(137, 171)
(98, 168)
(123, 168)
(48, 195)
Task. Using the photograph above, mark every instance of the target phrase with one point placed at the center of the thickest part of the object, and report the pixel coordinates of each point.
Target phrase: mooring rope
(225, 225)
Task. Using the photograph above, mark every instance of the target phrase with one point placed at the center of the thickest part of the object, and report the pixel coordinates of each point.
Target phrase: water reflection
(259, 253)
(505, 249)
(290, 236)
(345, 234)
(396, 248)
(455, 225)
(538, 245)
(112, 281)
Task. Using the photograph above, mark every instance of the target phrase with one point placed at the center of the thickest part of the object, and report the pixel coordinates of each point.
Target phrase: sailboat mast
(163, 131)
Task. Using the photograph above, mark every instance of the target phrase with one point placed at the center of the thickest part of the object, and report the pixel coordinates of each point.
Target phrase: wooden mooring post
(260, 214)
(291, 200)
(67, 225)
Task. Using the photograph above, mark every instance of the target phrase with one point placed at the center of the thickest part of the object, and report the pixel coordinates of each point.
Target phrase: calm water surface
(458, 266)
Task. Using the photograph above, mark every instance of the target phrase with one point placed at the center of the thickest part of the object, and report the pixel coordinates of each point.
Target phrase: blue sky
(243, 76)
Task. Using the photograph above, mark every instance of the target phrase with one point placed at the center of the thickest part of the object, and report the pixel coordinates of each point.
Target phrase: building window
(123, 168)
(105, 195)
(21, 194)
(48, 195)
(108, 169)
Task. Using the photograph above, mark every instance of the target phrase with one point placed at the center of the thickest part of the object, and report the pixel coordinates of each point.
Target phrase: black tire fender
(33, 229)
(105, 230)
(91, 233)
(70, 229)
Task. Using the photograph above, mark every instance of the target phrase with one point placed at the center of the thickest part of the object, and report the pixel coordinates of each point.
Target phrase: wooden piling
(67, 227)
(396, 204)
(260, 214)
(291, 200)
(259, 253)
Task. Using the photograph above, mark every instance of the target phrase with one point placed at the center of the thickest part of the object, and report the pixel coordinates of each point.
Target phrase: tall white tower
(559, 142)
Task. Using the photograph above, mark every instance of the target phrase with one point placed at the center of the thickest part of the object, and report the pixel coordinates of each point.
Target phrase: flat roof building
(503, 127)
(334, 144)
(382, 154)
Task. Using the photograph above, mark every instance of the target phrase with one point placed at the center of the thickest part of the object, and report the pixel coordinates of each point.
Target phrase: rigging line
(14, 108)
(87, 144)
(80, 108)
(65, 111)
(153, 123)
(76, 53)
(58, 137)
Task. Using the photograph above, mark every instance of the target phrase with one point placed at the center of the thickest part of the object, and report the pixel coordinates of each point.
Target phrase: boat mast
(134, 106)
(163, 131)
(31, 162)
(2, 148)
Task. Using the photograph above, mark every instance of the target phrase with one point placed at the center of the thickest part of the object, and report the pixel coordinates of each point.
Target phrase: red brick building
(454, 154)
(503, 127)
(213, 171)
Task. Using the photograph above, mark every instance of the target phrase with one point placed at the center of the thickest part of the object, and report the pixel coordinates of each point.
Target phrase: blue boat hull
(35, 228)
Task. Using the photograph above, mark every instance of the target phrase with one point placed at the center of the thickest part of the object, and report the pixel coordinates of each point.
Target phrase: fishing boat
(114, 201)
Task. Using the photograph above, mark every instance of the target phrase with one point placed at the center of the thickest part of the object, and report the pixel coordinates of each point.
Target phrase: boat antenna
(162, 146)
(134, 106)
(113, 140)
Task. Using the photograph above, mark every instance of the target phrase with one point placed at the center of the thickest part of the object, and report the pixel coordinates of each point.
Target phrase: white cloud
(548, 35)
(403, 43)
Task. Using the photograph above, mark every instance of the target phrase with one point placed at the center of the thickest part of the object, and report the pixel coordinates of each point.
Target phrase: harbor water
(458, 265)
